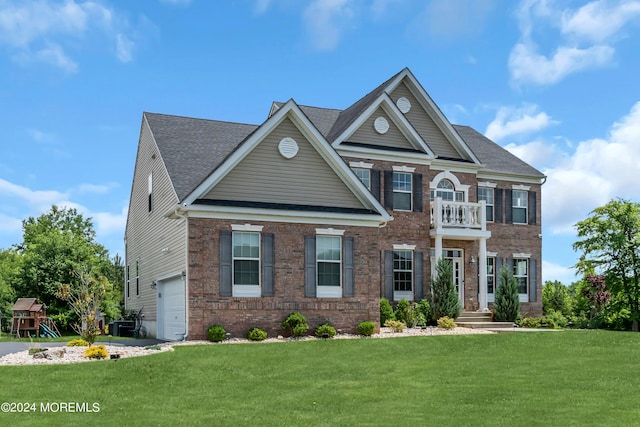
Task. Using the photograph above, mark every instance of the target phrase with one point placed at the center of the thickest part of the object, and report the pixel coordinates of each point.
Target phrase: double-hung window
(491, 276)
(403, 274)
(521, 274)
(519, 206)
(402, 191)
(364, 175)
(329, 266)
(246, 263)
(486, 194)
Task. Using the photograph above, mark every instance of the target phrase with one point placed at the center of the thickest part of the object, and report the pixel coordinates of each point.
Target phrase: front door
(456, 257)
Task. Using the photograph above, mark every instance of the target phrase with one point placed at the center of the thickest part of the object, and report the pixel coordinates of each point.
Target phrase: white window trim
(493, 205)
(408, 295)
(457, 186)
(247, 227)
(521, 187)
(247, 290)
(361, 165)
(329, 232)
(406, 169)
(492, 254)
(487, 184)
(355, 169)
(404, 247)
(526, 208)
(404, 191)
(330, 291)
(521, 255)
(492, 296)
(523, 297)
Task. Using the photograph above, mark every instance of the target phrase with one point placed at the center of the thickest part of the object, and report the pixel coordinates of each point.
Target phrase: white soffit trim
(441, 121)
(404, 247)
(505, 176)
(329, 232)
(246, 227)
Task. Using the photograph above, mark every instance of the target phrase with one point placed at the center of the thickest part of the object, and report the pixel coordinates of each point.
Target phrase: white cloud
(9, 225)
(599, 20)
(326, 20)
(261, 6)
(40, 136)
(587, 38)
(536, 153)
(598, 171)
(513, 121)
(454, 18)
(42, 30)
(529, 66)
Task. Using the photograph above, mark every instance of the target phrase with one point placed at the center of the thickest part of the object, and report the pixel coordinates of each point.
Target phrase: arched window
(446, 190)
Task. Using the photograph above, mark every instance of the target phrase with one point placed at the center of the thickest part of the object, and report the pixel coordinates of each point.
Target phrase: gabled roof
(24, 304)
(493, 156)
(193, 148)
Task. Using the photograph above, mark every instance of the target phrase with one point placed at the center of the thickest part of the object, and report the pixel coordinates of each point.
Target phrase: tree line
(57, 248)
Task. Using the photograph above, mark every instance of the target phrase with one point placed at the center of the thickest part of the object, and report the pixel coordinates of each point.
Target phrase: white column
(438, 249)
(482, 276)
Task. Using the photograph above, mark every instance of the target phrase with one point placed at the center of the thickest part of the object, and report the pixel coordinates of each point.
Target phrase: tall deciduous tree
(54, 245)
(609, 240)
(10, 268)
(555, 296)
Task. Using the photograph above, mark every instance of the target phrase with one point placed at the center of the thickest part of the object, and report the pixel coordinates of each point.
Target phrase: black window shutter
(498, 205)
(375, 183)
(418, 278)
(225, 264)
(388, 275)
(532, 207)
(508, 195)
(533, 280)
(349, 276)
(417, 192)
(310, 266)
(388, 189)
(268, 265)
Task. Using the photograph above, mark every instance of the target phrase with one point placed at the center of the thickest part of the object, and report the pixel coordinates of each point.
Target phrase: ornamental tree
(445, 298)
(609, 240)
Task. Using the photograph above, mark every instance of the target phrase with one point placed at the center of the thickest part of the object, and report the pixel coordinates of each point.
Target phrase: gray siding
(148, 233)
(367, 134)
(265, 176)
(425, 126)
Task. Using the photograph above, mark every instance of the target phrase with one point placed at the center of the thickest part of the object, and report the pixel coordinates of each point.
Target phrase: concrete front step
(485, 325)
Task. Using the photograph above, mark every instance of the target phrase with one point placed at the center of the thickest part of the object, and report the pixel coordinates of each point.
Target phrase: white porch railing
(445, 214)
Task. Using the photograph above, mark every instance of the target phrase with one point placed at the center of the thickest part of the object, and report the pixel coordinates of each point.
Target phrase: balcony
(458, 219)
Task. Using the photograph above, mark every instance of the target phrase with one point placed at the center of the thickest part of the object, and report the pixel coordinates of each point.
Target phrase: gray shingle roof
(493, 156)
(193, 148)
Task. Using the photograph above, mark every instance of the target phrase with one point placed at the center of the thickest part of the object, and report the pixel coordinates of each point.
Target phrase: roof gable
(287, 122)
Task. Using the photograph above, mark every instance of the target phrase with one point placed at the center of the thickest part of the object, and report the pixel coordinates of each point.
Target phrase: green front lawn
(566, 378)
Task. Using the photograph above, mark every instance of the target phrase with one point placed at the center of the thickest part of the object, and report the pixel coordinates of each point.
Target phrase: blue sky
(555, 82)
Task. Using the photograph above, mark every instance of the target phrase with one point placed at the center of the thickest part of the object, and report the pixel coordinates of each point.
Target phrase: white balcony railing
(445, 214)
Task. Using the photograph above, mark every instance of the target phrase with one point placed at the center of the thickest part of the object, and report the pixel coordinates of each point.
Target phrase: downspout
(180, 213)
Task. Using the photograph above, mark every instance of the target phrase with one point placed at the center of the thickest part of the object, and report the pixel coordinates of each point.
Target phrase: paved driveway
(15, 347)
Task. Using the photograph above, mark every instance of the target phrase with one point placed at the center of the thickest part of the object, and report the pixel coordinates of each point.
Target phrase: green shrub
(152, 347)
(420, 319)
(424, 308)
(446, 323)
(257, 334)
(529, 322)
(386, 311)
(216, 333)
(96, 352)
(78, 342)
(366, 328)
(445, 298)
(395, 325)
(555, 319)
(405, 312)
(507, 301)
(325, 331)
(296, 323)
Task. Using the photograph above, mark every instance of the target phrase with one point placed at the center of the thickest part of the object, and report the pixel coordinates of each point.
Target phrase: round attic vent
(403, 105)
(288, 147)
(381, 125)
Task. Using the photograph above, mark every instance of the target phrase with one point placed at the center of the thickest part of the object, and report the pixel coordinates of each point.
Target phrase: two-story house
(323, 211)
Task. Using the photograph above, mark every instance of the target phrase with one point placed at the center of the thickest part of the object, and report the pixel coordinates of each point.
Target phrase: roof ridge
(200, 118)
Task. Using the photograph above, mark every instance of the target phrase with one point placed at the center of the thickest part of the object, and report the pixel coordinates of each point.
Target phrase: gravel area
(58, 355)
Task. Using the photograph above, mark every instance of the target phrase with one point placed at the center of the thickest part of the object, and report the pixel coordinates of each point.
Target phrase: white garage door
(171, 309)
